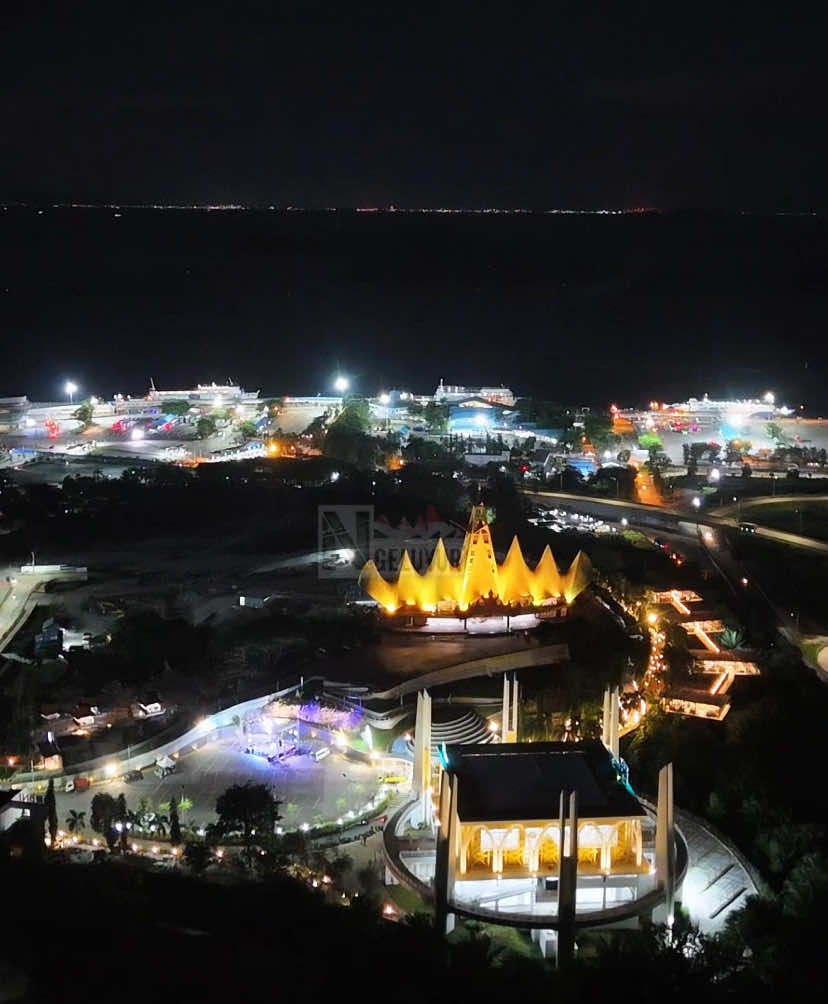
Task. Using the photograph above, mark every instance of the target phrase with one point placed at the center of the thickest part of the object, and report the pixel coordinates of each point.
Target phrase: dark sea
(583, 309)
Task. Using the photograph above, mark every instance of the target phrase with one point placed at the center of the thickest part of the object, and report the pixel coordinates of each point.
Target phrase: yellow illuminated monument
(478, 585)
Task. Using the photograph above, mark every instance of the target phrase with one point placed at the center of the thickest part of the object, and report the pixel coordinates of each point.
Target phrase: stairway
(469, 727)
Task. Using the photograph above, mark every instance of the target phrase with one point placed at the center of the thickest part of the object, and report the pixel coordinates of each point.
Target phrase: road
(616, 508)
(19, 602)
(26, 590)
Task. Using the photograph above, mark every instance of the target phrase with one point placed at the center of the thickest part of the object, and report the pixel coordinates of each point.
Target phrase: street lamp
(769, 397)
(71, 389)
(696, 502)
(341, 384)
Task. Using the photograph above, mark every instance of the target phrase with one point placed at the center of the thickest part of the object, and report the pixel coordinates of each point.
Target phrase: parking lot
(564, 521)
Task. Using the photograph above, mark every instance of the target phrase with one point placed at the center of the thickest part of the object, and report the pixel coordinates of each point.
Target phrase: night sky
(540, 105)
(532, 104)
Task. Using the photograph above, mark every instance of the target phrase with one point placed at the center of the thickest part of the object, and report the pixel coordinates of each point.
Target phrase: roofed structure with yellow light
(478, 584)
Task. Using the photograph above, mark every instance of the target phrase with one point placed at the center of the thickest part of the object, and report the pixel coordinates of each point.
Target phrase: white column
(605, 721)
(515, 704)
(666, 843)
(614, 715)
(421, 775)
(609, 723)
(504, 717)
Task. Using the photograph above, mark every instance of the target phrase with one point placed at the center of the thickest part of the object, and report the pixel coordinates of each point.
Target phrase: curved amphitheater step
(470, 727)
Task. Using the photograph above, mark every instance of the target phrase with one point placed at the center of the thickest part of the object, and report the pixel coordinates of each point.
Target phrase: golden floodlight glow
(477, 581)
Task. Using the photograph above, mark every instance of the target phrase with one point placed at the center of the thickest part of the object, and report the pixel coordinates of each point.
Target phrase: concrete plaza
(309, 791)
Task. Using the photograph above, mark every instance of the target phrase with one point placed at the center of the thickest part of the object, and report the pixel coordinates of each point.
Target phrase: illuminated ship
(478, 585)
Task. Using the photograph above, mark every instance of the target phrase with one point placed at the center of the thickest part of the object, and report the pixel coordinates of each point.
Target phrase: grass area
(800, 587)
(636, 539)
(384, 738)
(407, 900)
(811, 647)
(508, 940)
(807, 518)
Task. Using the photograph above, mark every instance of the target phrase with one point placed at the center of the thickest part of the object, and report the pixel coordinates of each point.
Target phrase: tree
(158, 823)
(649, 441)
(197, 855)
(731, 638)
(546, 414)
(355, 415)
(175, 827)
(774, 432)
(317, 430)
(76, 821)
(426, 451)
(436, 416)
(344, 442)
(657, 459)
(598, 430)
(339, 865)
(248, 429)
(103, 812)
(206, 427)
(122, 818)
(23, 840)
(51, 811)
(178, 407)
(247, 808)
(84, 412)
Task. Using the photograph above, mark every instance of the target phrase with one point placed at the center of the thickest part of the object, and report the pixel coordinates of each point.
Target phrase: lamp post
(71, 388)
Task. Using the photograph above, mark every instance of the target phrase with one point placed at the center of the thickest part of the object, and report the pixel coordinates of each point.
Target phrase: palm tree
(731, 638)
(76, 821)
(158, 824)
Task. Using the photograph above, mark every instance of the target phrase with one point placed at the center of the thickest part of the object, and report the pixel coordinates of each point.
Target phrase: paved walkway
(716, 883)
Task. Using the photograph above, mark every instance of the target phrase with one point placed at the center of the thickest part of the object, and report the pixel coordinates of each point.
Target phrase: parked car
(133, 775)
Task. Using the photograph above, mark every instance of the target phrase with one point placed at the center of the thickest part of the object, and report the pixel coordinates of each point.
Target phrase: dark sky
(535, 104)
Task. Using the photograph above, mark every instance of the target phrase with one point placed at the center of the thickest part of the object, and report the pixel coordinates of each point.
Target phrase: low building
(455, 392)
(48, 642)
(484, 459)
(696, 703)
(13, 807)
(51, 757)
